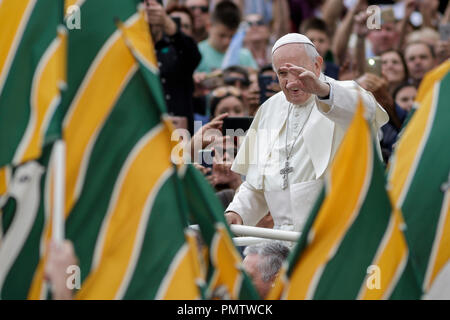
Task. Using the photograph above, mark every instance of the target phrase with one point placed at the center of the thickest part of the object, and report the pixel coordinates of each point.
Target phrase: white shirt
(304, 169)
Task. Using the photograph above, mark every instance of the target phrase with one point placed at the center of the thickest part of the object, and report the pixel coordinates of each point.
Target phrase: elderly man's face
(295, 54)
(251, 266)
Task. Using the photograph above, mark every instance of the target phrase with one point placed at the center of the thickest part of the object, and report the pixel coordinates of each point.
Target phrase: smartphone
(236, 126)
(206, 159)
(264, 81)
(444, 31)
(373, 65)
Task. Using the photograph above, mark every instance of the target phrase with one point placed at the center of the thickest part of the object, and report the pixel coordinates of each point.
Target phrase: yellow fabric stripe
(68, 3)
(93, 104)
(35, 292)
(45, 95)
(279, 284)
(413, 137)
(442, 242)
(226, 261)
(182, 284)
(391, 260)
(338, 210)
(12, 17)
(430, 78)
(140, 41)
(139, 182)
(37, 288)
(5, 177)
(408, 148)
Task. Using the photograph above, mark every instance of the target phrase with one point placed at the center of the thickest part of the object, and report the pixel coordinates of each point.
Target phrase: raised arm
(331, 12)
(281, 18)
(343, 32)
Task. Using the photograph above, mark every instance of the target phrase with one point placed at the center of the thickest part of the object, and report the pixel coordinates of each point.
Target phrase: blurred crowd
(214, 58)
(215, 63)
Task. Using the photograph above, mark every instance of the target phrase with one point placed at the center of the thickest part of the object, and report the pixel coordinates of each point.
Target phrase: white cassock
(263, 152)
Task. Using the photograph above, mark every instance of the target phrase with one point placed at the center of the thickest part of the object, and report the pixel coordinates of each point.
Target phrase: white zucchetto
(291, 38)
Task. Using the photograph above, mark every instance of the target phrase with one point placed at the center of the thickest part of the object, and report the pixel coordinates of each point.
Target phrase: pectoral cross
(284, 172)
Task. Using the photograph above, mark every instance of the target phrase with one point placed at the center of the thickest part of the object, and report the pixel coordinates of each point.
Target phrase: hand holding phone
(373, 66)
(236, 126)
(265, 83)
(213, 80)
(206, 158)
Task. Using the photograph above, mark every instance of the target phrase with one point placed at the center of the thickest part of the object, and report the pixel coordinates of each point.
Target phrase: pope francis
(294, 136)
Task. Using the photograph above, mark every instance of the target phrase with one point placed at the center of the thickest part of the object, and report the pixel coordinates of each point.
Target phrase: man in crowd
(225, 21)
(380, 38)
(262, 263)
(316, 30)
(200, 11)
(420, 59)
(294, 137)
(178, 56)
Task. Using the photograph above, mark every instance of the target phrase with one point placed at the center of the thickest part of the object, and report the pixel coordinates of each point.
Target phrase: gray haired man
(262, 263)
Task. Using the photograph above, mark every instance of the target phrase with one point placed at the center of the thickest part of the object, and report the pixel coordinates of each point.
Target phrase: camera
(206, 159)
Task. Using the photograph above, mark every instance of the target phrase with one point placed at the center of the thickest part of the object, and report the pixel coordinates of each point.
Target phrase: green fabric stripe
(345, 272)
(424, 199)
(7, 214)
(18, 281)
(206, 210)
(97, 25)
(159, 246)
(407, 287)
(132, 117)
(296, 252)
(15, 97)
(154, 82)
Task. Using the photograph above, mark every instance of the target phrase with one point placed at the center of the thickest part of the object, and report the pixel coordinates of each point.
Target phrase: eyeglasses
(222, 92)
(204, 9)
(255, 23)
(232, 81)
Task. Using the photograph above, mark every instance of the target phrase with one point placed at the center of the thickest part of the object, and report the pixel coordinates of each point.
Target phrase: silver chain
(287, 131)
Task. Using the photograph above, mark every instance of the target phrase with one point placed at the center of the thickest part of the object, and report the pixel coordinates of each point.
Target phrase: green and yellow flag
(24, 215)
(32, 74)
(225, 278)
(125, 211)
(5, 177)
(352, 246)
(419, 177)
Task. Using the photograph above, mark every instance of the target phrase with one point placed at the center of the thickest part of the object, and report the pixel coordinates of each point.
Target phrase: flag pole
(59, 191)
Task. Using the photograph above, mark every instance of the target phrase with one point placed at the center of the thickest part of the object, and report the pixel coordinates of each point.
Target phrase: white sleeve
(342, 103)
(249, 203)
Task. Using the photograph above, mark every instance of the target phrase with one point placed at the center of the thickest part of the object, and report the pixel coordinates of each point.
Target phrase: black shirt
(178, 57)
